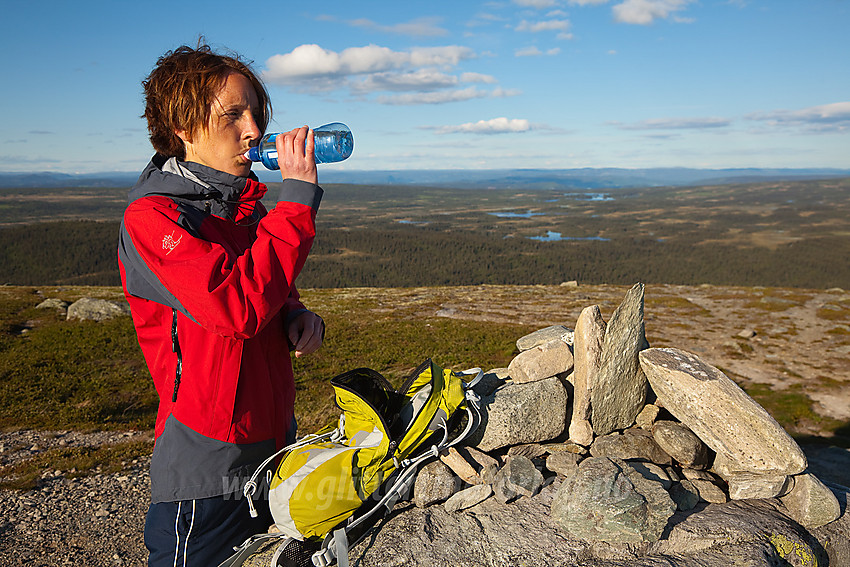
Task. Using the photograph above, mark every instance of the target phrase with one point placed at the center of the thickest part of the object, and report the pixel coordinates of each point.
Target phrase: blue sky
(453, 84)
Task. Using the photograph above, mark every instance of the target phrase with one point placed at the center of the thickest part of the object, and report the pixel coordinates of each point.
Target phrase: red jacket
(210, 278)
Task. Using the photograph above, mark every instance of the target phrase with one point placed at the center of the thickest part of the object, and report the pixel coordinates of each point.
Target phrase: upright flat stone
(620, 389)
(721, 414)
(587, 358)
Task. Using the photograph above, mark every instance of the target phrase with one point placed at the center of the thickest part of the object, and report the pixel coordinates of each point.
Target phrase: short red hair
(180, 90)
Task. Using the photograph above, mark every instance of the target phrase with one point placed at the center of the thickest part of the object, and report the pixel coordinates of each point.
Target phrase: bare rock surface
(753, 533)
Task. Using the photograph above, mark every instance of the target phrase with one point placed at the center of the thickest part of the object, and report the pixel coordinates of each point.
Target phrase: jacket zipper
(175, 347)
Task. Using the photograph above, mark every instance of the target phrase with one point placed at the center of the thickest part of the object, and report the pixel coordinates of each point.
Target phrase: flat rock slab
(745, 437)
(751, 533)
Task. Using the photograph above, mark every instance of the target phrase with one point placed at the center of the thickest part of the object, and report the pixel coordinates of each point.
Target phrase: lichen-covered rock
(607, 500)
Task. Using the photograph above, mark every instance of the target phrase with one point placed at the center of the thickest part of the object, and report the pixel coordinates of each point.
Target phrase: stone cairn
(648, 431)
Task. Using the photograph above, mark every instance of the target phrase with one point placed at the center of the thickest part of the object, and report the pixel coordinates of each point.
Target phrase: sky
(452, 84)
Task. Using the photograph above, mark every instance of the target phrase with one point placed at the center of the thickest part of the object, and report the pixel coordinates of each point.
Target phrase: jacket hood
(195, 183)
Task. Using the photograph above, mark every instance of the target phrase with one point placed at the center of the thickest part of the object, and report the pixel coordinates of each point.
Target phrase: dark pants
(203, 532)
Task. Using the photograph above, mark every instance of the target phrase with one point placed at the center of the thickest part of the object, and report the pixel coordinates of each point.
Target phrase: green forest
(788, 234)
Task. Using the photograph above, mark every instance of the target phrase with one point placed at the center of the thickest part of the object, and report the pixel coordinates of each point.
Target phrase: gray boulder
(434, 483)
(753, 485)
(91, 309)
(563, 463)
(685, 495)
(811, 503)
(631, 444)
(680, 443)
(468, 497)
(541, 362)
(519, 477)
(542, 336)
(521, 413)
(53, 303)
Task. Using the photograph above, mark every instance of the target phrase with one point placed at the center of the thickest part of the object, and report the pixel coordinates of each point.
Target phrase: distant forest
(783, 234)
(84, 253)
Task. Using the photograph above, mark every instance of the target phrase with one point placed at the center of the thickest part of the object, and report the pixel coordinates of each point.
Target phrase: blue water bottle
(334, 143)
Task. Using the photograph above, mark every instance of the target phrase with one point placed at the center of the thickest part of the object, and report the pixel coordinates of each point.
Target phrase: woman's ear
(184, 135)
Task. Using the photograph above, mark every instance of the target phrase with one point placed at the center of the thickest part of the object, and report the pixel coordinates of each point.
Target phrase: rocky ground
(786, 339)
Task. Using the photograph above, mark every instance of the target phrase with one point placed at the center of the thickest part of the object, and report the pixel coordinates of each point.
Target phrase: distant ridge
(585, 178)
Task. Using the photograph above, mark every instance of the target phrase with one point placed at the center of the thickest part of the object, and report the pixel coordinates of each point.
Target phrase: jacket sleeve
(228, 293)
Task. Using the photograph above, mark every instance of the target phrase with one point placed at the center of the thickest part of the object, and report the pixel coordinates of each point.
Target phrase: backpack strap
(248, 547)
(251, 486)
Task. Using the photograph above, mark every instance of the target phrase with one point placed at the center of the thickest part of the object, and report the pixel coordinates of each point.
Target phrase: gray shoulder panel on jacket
(140, 280)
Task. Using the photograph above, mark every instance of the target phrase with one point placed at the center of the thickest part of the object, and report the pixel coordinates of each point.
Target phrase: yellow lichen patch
(796, 553)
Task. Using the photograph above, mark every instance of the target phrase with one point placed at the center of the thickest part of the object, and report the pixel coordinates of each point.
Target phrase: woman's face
(230, 131)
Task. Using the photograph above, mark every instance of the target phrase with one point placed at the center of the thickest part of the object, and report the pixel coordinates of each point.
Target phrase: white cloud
(533, 51)
(543, 26)
(494, 126)
(440, 97)
(644, 12)
(310, 61)
(422, 75)
(499, 92)
(477, 78)
(419, 27)
(675, 124)
(421, 80)
(586, 2)
(538, 4)
(834, 117)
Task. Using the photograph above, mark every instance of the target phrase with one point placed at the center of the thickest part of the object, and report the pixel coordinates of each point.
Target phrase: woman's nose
(251, 128)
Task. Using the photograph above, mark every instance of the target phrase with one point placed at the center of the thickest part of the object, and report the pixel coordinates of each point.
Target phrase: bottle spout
(253, 154)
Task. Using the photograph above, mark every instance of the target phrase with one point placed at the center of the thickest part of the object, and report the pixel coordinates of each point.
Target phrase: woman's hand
(306, 333)
(295, 155)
